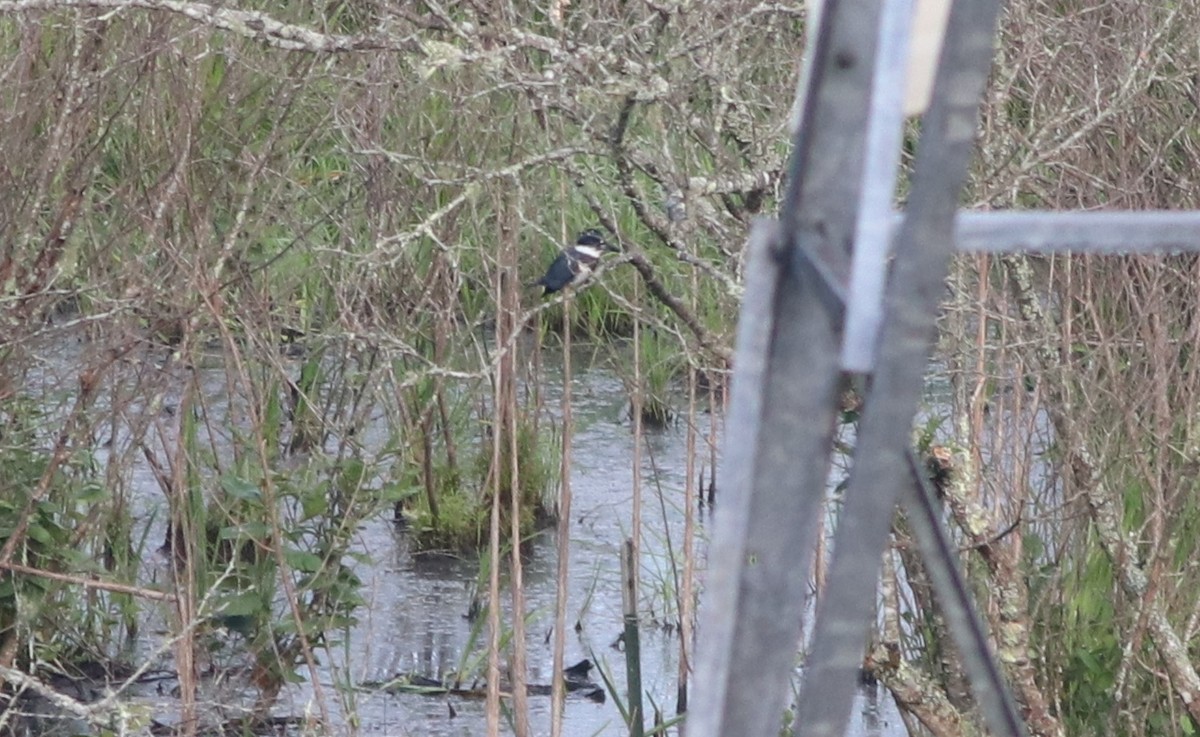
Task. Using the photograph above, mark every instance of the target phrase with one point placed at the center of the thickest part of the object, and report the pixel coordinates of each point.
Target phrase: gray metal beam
(780, 426)
(1043, 231)
(923, 245)
(779, 429)
(957, 607)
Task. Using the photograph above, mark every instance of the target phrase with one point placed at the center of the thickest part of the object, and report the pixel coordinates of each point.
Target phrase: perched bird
(575, 263)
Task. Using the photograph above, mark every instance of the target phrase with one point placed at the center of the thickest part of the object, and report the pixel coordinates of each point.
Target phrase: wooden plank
(780, 426)
(924, 245)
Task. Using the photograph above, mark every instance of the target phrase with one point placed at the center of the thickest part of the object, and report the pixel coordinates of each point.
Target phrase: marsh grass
(665, 369)
(28, 602)
(327, 233)
(302, 254)
(463, 503)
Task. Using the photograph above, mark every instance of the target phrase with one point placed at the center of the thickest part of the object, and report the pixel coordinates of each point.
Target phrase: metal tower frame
(789, 368)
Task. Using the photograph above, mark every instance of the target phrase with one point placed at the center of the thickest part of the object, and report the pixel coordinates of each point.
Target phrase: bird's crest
(590, 237)
(594, 239)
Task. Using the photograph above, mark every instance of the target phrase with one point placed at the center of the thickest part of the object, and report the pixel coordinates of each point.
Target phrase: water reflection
(415, 620)
(424, 600)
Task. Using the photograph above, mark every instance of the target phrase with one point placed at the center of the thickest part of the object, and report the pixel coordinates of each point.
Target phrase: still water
(415, 623)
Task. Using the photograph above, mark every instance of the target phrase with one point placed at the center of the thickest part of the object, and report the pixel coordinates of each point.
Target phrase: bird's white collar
(587, 251)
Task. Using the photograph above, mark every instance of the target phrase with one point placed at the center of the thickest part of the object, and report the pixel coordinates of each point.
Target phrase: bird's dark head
(593, 238)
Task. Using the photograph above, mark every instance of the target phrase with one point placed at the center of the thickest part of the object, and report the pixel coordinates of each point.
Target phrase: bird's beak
(611, 247)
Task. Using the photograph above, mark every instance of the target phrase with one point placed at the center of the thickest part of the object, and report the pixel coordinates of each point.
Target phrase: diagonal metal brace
(924, 246)
(830, 290)
(781, 421)
(954, 598)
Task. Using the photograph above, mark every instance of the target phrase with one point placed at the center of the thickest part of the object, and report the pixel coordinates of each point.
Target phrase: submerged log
(575, 677)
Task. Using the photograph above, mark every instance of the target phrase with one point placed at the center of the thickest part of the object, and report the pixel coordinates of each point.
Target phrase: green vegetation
(455, 517)
(289, 269)
(251, 288)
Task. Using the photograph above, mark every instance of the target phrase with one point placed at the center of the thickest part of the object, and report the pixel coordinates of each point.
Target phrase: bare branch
(249, 24)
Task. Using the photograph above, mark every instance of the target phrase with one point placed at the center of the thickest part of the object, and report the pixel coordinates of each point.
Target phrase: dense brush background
(336, 210)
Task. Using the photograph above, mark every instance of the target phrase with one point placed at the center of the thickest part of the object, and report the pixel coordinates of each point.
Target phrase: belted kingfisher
(575, 263)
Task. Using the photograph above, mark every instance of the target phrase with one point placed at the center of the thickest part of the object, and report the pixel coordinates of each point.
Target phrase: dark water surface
(415, 623)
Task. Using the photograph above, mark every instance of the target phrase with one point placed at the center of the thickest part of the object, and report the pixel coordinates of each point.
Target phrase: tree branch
(1105, 505)
(249, 24)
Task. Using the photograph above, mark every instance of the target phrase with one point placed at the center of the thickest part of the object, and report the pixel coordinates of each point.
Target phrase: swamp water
(415, 618)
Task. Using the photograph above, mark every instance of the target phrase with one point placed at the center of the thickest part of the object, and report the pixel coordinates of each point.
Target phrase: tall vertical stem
(558, 691)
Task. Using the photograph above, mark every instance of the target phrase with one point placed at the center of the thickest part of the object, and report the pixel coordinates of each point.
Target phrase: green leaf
(91, 493)
(398, 492)
(302, 560)
(40, 534)
(353, 473)
(241, 489)
(241, 604)
(314, 503)
(246, 530)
